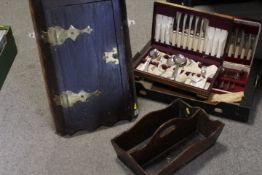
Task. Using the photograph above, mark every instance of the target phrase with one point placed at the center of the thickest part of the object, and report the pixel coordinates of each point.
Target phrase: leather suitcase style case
(230, 90)
(85, 55)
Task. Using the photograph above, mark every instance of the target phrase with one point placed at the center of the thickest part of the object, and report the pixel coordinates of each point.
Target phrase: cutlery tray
(163, 141)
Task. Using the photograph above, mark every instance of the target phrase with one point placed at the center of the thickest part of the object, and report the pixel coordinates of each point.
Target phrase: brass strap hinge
(57, 35)
(68, 99)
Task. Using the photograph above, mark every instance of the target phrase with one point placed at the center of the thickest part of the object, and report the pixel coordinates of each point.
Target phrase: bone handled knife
(236, 48)
(190, 33)
(181, 34)
(192, 38)
(171, 24)
(236, 54)
(196, 34)
(230, 45)
(248, 46)
(174, 32)
(251, 48)
(187, 31)
(184, 29)
(245, 48)
(242, 43)
(202, 35)
(178, 33)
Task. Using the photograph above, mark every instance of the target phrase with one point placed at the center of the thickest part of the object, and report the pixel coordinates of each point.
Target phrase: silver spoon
(155, 54)
(171, 60)
(180, 61)
(203, 71)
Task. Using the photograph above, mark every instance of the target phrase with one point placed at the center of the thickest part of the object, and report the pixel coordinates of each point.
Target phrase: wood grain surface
(80, 65)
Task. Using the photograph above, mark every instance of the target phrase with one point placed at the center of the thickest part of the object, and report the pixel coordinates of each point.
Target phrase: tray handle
(166, 131)
(174, 125)
(165, 136)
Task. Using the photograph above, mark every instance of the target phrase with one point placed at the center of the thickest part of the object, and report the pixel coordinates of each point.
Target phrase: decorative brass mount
(57, 35)
(112, 57)
(68, 99)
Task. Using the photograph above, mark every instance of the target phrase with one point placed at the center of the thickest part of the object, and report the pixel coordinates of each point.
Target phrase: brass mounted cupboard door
(87, 62)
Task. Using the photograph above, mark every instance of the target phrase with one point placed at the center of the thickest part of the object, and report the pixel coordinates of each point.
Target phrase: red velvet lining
(236, 89)
(214, 21)
(237, 60)
(204, 59)
(171, 51)
(251, 29)
(239, 85)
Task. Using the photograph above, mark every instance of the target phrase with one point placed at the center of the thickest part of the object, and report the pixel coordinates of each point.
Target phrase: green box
(7, 55)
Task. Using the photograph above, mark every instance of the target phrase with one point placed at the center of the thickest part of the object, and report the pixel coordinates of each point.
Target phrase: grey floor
(29, 145)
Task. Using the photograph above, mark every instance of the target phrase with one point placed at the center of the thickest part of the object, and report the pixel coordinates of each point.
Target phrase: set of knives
(241, 45)
(2, 39)
(191, 33)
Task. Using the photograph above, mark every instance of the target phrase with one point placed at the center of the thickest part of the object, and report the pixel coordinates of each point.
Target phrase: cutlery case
(237, 73)
(86, 62)
(163, 141)
(8, 51)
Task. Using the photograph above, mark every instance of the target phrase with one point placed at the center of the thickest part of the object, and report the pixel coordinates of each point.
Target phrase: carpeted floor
(29, 145)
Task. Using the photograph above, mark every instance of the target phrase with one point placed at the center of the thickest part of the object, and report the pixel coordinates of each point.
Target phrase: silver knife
(203, 30)
(251, 48)
(178, 36)
(236, 48)
(184, 28)
(187, 38)
(241, 47)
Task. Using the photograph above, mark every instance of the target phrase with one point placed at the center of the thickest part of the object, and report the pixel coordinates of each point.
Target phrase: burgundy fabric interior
(239, 85)
(204, 59)
(237, 60)
(214, 21)
(250, 29)
(171, 51)
(254, 30)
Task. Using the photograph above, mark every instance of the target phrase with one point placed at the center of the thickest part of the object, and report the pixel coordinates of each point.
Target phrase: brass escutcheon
(112, 56)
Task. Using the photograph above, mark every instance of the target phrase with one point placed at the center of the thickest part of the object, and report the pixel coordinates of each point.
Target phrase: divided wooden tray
(163, 141)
